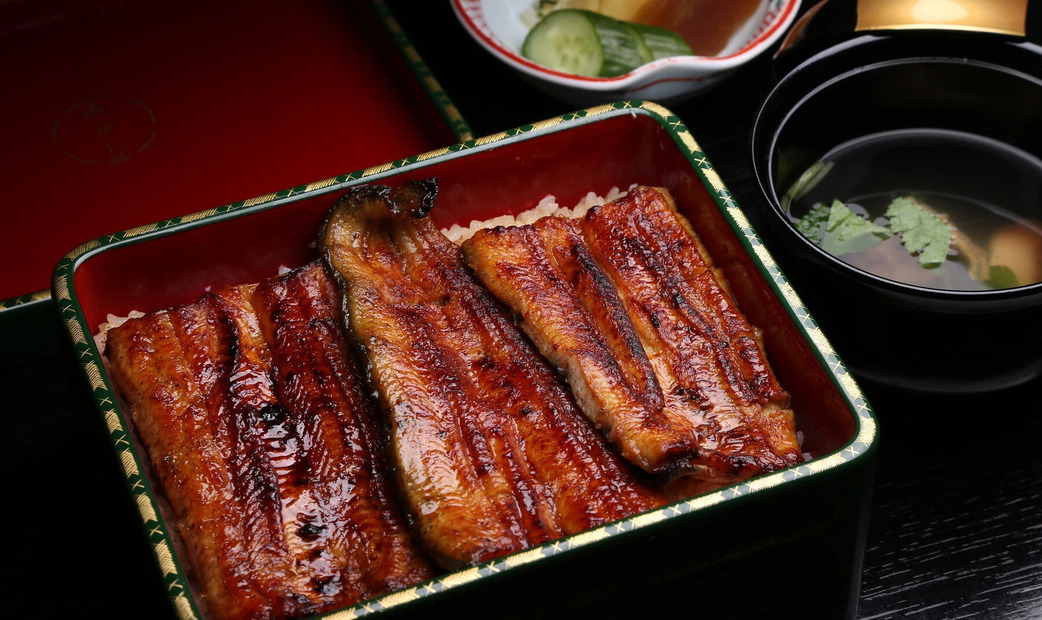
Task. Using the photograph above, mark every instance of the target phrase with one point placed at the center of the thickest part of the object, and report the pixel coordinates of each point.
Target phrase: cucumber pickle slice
(589, 44)
(662, 42)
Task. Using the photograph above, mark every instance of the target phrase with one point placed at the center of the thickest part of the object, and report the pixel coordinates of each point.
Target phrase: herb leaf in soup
(838, 230)
(922, 231)
(813, 224)
(1002, 277)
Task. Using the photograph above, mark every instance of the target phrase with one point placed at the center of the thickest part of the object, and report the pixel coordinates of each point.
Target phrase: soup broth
(989, 193)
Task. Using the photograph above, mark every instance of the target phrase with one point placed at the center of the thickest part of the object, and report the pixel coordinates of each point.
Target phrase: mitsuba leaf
(847, 232)
(812, 225)
(922, 231)
(838, 230)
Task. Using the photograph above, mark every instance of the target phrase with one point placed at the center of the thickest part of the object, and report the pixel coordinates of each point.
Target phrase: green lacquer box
(785, 544)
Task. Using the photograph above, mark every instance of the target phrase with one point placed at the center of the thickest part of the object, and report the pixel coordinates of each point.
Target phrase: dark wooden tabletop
(956, 524)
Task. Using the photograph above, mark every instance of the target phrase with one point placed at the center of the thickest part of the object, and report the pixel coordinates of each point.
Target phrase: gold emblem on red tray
(104, 130)
(1005, 16)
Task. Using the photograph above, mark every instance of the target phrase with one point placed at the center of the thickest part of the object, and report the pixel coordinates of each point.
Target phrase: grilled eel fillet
(250, 408)
(491, 451)
(627, 303)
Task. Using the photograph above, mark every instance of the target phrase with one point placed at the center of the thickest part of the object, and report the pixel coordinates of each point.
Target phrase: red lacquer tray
(118, 114)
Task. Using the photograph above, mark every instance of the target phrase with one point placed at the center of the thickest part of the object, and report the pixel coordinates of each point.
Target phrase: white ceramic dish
(500, 27)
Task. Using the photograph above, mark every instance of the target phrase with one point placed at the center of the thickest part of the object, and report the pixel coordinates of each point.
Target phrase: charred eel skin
(628, 304)
(491, 452)
(251, 409)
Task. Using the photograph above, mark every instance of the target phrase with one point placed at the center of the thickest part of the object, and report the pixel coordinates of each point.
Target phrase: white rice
(546, 207)
(458, 234)
(101, 338)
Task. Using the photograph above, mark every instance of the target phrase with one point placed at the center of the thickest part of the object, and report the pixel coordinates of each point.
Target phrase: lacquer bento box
(787, 543)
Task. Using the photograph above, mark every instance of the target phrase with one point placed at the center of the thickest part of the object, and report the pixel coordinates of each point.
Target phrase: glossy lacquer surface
(121, 114)
(951, 534)
(508, 173)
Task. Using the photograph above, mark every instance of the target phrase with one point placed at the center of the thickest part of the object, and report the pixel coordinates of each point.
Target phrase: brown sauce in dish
(706, 25)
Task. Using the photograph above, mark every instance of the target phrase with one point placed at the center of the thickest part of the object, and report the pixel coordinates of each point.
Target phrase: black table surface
(956, 523)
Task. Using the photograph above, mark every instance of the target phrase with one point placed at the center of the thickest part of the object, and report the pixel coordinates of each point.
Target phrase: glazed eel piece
(249, 404)
(492, 454)
(627, 303)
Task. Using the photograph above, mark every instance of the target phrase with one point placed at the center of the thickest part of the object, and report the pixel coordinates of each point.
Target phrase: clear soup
(987, 192)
